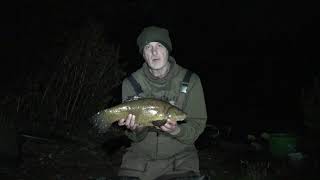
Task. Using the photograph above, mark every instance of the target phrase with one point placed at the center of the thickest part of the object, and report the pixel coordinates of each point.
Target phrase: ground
(221, 160)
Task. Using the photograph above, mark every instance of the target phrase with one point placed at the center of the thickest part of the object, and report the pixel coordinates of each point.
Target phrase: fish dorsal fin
(131, 98)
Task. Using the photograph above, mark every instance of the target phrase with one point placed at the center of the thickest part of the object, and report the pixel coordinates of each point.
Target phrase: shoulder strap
(185, 82)
(183, 89)
(136, 86)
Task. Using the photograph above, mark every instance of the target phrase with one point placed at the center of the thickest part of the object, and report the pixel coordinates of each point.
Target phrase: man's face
(155, 55)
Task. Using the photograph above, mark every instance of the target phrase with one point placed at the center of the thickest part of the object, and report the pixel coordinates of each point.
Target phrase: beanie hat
(154, 34)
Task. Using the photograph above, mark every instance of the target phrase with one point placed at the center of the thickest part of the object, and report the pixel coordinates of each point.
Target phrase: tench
(148, 112)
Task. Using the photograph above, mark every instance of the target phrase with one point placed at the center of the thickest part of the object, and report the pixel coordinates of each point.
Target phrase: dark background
(253, 56)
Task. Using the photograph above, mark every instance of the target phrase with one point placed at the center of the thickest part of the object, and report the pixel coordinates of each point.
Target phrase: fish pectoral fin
(159, 123)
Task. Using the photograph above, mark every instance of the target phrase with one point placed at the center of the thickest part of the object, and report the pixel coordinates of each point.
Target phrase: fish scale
(148, 112)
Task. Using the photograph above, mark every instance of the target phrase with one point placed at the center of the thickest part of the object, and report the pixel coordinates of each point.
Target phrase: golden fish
(148, 112)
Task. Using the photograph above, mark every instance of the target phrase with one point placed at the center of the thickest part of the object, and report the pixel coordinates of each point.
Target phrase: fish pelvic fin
(159, 123)
(100, 122)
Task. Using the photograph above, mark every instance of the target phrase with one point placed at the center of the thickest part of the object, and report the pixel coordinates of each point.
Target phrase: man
(168, 151)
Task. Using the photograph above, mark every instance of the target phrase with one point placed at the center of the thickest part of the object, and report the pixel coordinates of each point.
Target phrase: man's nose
(154, 51)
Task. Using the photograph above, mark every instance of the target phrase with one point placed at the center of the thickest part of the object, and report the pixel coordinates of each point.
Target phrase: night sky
(253, 56)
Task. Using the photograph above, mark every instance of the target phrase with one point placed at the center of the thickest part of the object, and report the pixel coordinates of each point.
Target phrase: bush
(81, 83)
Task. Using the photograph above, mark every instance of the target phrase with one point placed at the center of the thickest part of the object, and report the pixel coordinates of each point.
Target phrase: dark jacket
(160, 144)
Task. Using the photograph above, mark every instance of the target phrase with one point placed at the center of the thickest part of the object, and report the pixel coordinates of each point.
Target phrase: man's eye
(160, 45)
(147, 47)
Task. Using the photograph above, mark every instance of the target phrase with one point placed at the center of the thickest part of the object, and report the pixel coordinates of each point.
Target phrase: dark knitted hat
(154, 34)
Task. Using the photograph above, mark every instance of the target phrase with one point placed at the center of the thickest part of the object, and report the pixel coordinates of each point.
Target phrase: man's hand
(171, 127)
(130, 123)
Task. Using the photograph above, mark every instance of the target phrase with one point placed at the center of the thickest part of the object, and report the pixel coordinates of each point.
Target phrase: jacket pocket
(133, 162)
(187, 161)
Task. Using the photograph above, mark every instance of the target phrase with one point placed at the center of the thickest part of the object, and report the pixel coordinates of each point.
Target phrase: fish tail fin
(100, 122)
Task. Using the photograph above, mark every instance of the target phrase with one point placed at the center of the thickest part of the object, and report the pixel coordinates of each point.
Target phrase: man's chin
(156, 67)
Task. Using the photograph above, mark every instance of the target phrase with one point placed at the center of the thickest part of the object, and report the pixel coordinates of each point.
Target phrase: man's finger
(121, 122)
(163, 128)
(132, 122)
(127, 122)
(172, 122)
(170, 125)
(167, 125)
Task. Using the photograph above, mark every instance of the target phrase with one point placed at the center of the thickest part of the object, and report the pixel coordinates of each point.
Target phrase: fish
(148, 112)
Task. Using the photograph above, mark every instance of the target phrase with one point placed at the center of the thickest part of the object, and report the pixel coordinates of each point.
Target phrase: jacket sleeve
(128, 91)
(195, 107)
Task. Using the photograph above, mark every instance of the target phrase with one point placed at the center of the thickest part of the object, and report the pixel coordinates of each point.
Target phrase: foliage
(82, 83)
